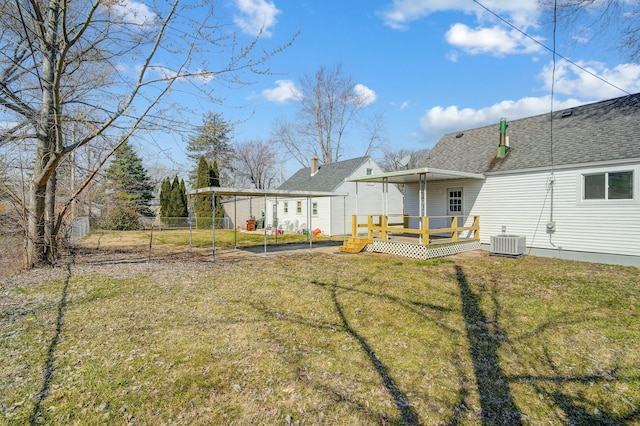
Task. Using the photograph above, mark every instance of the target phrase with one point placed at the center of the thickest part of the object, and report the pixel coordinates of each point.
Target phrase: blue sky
(431, 66)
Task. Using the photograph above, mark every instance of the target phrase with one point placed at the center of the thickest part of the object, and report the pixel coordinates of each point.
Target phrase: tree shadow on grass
(498, 406)
(409, 416)
(51, 353)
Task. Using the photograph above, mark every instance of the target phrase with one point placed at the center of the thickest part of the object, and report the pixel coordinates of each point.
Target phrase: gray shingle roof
(328, 178)
(601, 131)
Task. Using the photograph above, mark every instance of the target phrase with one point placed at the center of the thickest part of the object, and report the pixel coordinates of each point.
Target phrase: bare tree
(63, 67)
(403, 159)
(603, 18)
(329, 104)
(256, 164)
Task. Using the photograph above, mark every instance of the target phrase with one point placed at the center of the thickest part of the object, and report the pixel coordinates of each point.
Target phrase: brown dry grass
(115, 336)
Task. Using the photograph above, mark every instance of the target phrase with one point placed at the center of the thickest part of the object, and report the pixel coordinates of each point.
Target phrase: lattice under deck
(416, 251)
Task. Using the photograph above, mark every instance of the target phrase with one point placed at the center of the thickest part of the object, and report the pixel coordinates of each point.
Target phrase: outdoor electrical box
(551, 226)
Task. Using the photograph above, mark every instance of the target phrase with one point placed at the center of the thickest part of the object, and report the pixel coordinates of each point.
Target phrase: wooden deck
(385, 227)
(424, 242)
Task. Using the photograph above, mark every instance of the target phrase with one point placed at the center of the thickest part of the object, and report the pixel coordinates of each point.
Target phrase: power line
(552, 50)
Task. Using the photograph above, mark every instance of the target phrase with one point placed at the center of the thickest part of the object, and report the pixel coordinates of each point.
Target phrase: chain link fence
(184, 222)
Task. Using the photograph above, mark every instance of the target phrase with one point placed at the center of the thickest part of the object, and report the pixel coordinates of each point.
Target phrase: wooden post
(384, 220)
(425, 231)
(454, 228)
(354, 225)
(370, 227)
(476, 228)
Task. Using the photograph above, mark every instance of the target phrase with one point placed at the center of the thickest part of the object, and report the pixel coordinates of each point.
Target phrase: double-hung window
(608, 186)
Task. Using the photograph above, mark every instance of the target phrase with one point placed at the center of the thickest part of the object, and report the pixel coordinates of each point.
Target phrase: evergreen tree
(183, 191)
(215, 182)
(203, 202)
(165, 194)
(211, 141)
(177, 200)
(127, 177)
(207, 177)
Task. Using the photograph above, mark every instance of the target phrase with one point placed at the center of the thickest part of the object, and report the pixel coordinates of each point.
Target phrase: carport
(266, 193)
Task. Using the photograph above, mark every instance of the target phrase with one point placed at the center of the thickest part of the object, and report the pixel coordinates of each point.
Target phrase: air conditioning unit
(508, 245)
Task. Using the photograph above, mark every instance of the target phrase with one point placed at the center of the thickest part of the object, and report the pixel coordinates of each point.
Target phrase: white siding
(522, 203)
(437, 200)
(242, 209)
(293, 221)
(333, 217)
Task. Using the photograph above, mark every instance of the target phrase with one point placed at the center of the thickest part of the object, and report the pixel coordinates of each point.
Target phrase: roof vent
(566, 113)
(459, 135)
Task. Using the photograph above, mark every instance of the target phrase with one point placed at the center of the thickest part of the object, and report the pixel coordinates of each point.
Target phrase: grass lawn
(317, 338)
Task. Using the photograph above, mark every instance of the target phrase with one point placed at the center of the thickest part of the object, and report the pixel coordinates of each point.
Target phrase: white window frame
(605, 173)
(298, 207)
(314, 208)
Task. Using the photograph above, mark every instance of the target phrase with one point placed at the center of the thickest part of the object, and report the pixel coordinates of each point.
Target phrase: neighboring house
(237, 210)
(332, 215)
(568, 181)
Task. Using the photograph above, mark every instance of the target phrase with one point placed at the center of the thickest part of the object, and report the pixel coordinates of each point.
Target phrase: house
(238, 210)
(568, 181)
(332, 215)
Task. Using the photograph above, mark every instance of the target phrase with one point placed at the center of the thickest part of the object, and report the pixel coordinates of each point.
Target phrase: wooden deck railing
(385, 224)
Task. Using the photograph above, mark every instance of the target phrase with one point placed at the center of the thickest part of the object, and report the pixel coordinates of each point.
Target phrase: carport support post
(264, 223)
(309, 221)
(213, 225)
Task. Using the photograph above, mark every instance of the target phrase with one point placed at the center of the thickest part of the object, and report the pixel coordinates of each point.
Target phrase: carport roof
(414, 175)
(264, 192)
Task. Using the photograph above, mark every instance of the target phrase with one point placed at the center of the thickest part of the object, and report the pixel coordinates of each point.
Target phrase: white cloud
(439, 120)
(572, 81)
(132, 12)
(364, 95)
(404, 105)
(398, 15)
(256, 16)
(496, 40)
(285, 91)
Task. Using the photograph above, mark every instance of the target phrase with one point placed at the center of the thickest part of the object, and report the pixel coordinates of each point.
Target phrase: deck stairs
(355, 244)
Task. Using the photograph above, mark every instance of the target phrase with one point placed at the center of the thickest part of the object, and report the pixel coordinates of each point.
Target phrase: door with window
(454, 205)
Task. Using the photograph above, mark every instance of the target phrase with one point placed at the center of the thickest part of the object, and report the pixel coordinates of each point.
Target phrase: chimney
(503, 147)
(314, 165)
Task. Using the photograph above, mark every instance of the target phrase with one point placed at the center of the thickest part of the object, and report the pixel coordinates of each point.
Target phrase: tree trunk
(43, 166)
(51, 230)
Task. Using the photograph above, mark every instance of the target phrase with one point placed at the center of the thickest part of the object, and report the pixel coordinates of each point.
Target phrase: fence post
(424, 237)
(476, 228)
(454, 229)
(383, 224)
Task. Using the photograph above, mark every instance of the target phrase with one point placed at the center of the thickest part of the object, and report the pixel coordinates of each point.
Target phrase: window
(369, 172)
(608, 186)
(299, 207)
(314, 209)
(455, 201)
(286, 207)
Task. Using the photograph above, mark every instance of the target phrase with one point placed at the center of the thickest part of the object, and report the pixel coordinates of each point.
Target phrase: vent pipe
(314, 165)
(503, 147)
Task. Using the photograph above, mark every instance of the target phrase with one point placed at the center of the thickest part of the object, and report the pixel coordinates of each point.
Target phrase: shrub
(121, 218)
